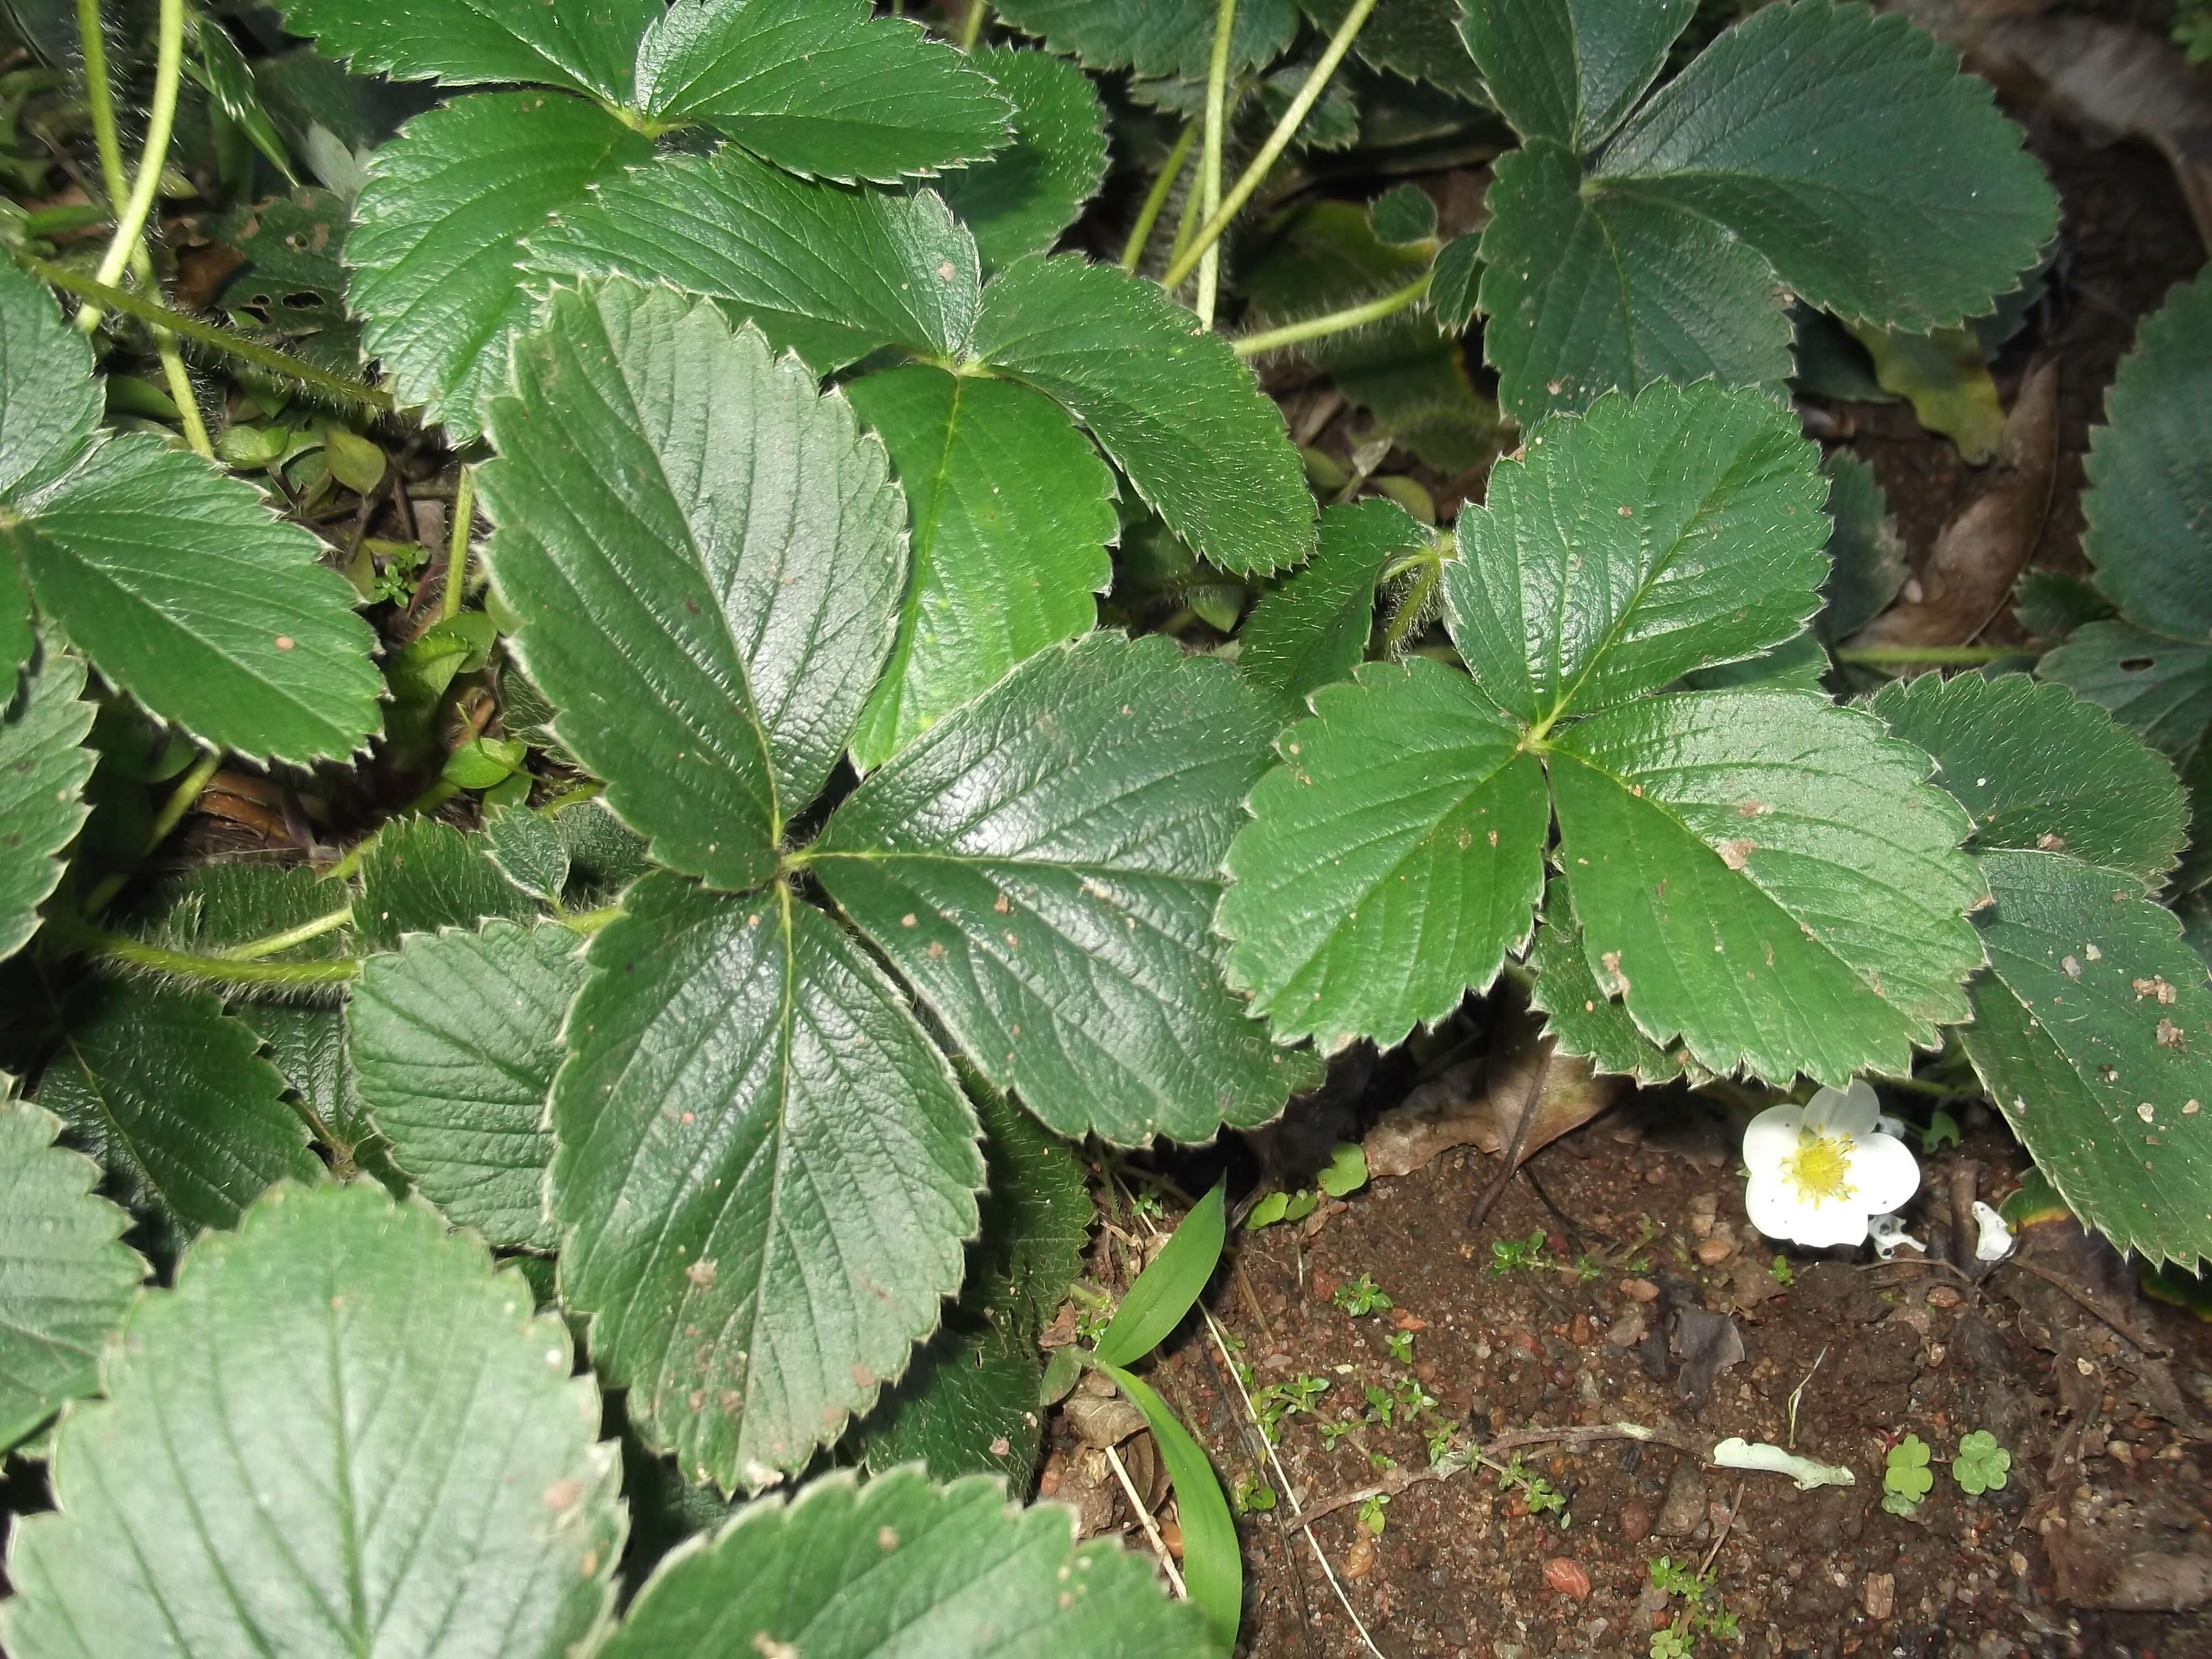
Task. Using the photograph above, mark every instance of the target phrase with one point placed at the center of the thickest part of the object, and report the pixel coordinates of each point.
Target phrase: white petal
(1884, 1174)
(1769, 1138)
(1995, 1243)
(1831, 1222)
(1851, 1111)
(1773, 1206)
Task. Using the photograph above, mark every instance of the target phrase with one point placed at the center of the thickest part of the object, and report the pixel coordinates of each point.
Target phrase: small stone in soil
(1684, 1506)
(1635, 1522)
(1639, 1289)
(1626, 1331)
(1566, 1577)
(1714, 1251)
(1879, 1595)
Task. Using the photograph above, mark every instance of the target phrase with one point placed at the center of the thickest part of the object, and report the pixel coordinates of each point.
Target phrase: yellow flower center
(1821, 1168)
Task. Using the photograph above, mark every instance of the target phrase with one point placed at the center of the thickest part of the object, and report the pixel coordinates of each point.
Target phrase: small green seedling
(1279, 1207)
(1508, 1253)
(1347, 1170)
(1380, 1405)
(1542, 1497)
(1332, 1432)
(1695, 1616)
(1361, 1298)
(1399, 1346)
(1780, 1272)
(1253, 1496)
(1371, 1513)
(1280, 1400)
(1981, 1464)
(1942, 1131)
(1905, 1477)
(1443, 1440)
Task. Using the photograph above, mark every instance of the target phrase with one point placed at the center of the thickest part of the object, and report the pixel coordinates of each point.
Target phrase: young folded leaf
(2091, 1027)
(176, 581)
(1814, 145)
(65, 1274)
(342, 1432)
(898, 1566)
(1764, 881)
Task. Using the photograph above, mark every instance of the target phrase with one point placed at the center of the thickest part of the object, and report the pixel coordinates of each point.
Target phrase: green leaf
(1796, 665)
(65, 1276)
(764, 1175)
(1312, 630)
(819, 87)
(1212, 1562)
(455, 1039)
(43, 770)
(1943, 376)
(529, 852)
(1768, 877)
(1169, 403)
(175, 579)
(590, 49)
(2160, 687)
(1395, 857)
(419, 876)
(1696, 538)
(832, 274)
(2091, 1032)
(1012, 511)
(1587, 290)
(1036, 1217)
(1571, 70)
(166, 1090)
(1867, 566)
(1042, 867)
(2038, 768)
(438, 238)
(968, 1405)
(307, 1047)
(2148, 505)
(898, 1566)
(1581, 1018)
(1169, 1284)
(1019, 201)
(706, 558)
(218, 907)
(605, 856)
(222, 70)
(1417, 39)
(341, 1433)
(1154, 37)
(1453, 281)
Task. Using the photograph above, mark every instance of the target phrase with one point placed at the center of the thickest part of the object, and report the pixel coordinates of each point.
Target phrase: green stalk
(457, 545)
(185, 964)
(182, 797)
(1277, 142)
(216, 339)
(1927, 656)
(168, 69)
(1217, 119)
(270, 944)
(971, 30)
(1335, 322)
(1148, 215)
(181, 392)
(1413, 610)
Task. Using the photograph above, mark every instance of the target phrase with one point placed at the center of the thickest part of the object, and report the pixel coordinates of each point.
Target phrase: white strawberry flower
(1820, 1172)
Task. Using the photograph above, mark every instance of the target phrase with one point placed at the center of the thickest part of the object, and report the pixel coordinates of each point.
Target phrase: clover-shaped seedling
(1906, 1478)
(1981, 1465)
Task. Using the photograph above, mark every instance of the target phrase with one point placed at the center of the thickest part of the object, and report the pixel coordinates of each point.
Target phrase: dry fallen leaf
(1970, 574)
(1474, 1104)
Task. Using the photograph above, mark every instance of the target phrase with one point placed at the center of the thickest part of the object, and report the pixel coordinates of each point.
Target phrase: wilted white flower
(1995, 1243)
(1889, 1237)
(1818, 1172)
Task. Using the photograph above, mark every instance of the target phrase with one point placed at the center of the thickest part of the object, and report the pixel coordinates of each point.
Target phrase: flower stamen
(1821, 1168)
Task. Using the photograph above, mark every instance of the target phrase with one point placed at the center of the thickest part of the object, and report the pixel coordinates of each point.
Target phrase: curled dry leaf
(1475, 1104)
(1971, 573)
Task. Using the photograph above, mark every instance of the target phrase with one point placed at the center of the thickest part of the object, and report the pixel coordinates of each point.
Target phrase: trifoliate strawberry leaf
(1579, 1015)
(1019, 201)
(455, 1038)
(1167, 402)
(2092, 1032)
(1042, 865)
(1769, 877)
(42, 776)
(819, 87)
(1012, 513)
(831, 273)
(1814, 145)
(1396, 857)
(899, 1565)
(341, 1433)
(2148, 505)
(1154, 37)
(2038, 768)
(166, 1090)
(2158, 686)
(175, 579)
(592, 49)
(420, 875)
(764, 1176)
(1571, 70)
(439, 233)
(1312, 630)
(706, 558)
(1652, 536)
(65, 1275)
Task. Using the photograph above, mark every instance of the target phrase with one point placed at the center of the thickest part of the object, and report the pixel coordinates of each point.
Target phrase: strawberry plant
(905, 709)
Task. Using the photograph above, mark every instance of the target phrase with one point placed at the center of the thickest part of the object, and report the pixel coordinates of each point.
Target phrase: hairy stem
(1926, 656)
(181, 393)
(269, 944)
(1277, 142)
(168, 69)
(216, 339)
(1335, 322)
(1209, 179)
(1408, 614)
(1155, 198)
(185, 964)
(457, 546)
